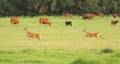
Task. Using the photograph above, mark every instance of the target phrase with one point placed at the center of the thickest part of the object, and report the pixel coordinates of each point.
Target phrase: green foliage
(79, 61)
(111, 6)
(90, 7)
(56, 7)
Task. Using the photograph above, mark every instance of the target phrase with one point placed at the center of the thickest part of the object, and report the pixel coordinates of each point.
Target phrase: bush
(107, 50)
(86, 61)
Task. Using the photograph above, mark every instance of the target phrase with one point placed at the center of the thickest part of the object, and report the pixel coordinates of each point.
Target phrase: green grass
(59, 44)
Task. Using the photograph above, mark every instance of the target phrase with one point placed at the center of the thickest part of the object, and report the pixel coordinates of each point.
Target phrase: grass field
(59, 44)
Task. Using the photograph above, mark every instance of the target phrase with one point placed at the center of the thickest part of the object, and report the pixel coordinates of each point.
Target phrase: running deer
(89, 34)
(32, 35)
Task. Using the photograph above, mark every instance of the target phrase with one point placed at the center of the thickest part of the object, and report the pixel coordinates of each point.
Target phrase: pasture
(60, 44)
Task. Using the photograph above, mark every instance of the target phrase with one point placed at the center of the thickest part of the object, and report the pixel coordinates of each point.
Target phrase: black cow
(114, 22)
(68, 23)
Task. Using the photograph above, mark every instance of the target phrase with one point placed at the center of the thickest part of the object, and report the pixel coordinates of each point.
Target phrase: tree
(53, 3)
(118, 6)
(102, 4)
(89, 7)
(4, 7)
(78, 6)
(57, 7)
(111, 6)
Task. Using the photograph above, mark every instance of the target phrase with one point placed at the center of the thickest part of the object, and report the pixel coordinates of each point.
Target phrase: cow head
(49, 24)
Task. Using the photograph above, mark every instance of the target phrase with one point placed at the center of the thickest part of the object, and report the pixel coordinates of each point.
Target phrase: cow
(88, 16)
(100, 14)
(114, 22)
(68, 15)
(119, 15)
(14, 20)
(44, 21)
(68, 23)
(32, 35)
(89, 34)
(115, 15)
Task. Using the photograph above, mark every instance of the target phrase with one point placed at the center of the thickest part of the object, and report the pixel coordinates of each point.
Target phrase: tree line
(57, 7)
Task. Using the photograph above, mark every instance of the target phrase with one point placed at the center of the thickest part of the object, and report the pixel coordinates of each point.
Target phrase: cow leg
(38, 38)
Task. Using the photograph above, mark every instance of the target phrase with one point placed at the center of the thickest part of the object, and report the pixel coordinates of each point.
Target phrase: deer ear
(84, 30)
(98, 32)
(25, 28)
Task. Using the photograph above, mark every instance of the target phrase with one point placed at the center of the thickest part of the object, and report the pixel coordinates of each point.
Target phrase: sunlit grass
(59, 44)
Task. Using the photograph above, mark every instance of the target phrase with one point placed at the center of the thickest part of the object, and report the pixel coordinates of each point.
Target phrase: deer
(89, 34)
(32, 35)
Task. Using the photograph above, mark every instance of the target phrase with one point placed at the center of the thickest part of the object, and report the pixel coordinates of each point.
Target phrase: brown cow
(44, 21)
(14, 20)
(88, 16)
(100, 14)
(114, 23)
(68, 15)
(115, 15)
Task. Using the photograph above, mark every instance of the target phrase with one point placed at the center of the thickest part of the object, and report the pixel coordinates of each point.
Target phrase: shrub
(107, 50)
(86, 61)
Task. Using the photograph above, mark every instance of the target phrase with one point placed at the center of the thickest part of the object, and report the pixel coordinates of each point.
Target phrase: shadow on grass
(6, 52)
(33, 61)
(83, 61)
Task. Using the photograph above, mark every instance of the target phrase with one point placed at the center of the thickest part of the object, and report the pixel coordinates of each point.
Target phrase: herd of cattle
(16, 20)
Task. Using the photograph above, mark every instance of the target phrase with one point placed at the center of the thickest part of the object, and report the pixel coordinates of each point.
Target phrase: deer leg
(101, 37)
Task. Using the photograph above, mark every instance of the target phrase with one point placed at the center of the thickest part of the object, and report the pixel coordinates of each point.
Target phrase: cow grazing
(68, 23)
(68, 15)
(89, 34)
(100, 14)
(14, 20)
(115, 15)
(88, 16)
(114, 23)
(44, 21)
(32, 35)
